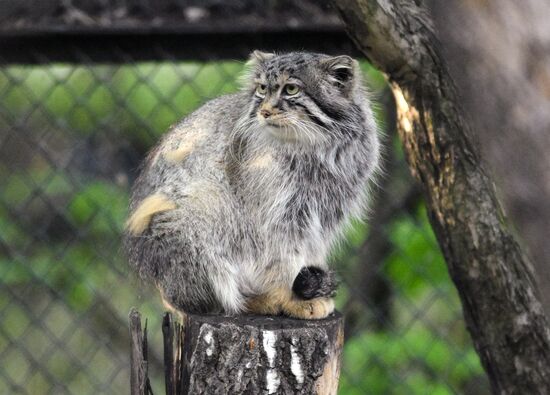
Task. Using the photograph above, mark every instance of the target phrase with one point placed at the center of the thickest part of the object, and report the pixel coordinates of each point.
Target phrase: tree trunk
(492, 274)
(499, 56)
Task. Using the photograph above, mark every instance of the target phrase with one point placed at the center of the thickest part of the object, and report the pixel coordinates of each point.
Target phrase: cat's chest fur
(297, 195)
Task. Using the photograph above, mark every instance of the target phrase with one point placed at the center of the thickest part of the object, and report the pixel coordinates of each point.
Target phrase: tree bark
(499, 56)
(493, 276)
(139, 380)
(242, 355)
(261, 355)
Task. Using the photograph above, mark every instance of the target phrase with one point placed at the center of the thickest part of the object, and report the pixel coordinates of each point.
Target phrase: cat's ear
(259, 56)
(251, 68)
(342, 71)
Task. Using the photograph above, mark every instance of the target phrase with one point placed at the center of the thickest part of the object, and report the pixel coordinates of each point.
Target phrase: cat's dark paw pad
(313, 282)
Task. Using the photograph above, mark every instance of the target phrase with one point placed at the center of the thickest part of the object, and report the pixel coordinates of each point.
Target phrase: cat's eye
(261, 89)
(291, 89)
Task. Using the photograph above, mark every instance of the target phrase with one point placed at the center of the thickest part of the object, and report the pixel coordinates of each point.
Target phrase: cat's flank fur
(251, 189)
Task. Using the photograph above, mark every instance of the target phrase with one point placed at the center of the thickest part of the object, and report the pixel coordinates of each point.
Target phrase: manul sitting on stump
(237, 208)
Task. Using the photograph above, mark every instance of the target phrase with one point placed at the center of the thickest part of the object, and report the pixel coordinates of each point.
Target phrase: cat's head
(301, 97)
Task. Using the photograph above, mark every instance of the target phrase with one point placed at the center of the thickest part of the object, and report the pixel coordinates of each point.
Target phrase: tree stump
(252, 355)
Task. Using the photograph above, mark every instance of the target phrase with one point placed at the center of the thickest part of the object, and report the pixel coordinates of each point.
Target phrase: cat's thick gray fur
(256, 203)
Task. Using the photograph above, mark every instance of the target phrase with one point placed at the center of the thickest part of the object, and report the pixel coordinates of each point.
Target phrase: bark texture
(261, 355)
(499, 56)
(139, 380)
(252, 355)
(493, 276)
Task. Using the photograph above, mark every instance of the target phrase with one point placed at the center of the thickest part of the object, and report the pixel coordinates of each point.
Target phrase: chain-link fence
(71, 138)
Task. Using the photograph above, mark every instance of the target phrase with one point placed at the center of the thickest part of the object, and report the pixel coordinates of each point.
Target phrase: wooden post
(252, 355)
(139, 381)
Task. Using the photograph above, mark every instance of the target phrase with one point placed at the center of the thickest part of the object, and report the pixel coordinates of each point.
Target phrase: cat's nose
(266, 113)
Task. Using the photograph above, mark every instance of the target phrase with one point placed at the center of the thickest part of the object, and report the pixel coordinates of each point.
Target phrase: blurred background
(87, 88)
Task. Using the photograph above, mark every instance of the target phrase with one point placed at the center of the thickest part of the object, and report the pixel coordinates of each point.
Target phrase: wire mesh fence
(71, 138)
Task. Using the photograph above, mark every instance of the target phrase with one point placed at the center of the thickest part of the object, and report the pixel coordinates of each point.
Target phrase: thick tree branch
(498, 52)
(494, 278)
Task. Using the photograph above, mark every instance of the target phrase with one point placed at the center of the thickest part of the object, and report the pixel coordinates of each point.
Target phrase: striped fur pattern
(279, 170)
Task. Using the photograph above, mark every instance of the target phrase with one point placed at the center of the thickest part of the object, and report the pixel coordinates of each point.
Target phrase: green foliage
(426, 349)
(416, 262)
(415, 360)
(100, 208)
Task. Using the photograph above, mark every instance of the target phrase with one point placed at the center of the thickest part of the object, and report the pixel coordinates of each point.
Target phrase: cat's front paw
(312, 309)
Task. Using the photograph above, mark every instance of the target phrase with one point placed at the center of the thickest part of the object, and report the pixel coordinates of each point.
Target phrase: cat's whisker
(311, 130)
